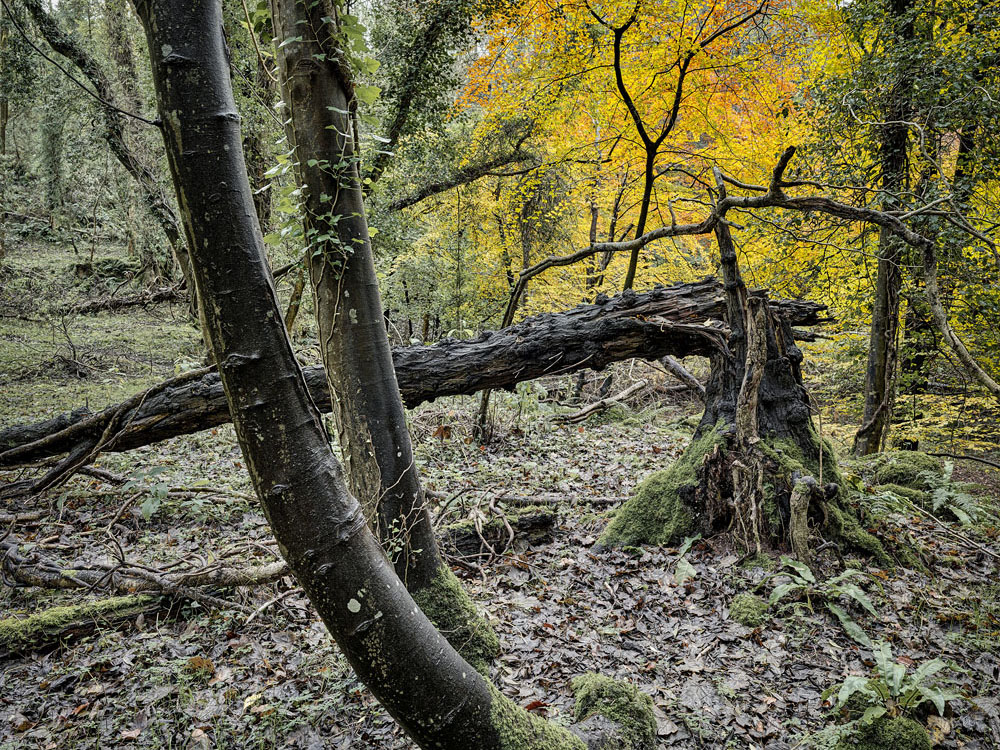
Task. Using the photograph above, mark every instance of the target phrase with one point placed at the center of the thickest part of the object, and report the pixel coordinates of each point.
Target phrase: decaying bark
(670, 320)
(757, 467)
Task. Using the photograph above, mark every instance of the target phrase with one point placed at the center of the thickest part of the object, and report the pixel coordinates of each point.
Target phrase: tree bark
(663, 321)
(756, 445)
(880, 372)
(371, 421)
(319, 525)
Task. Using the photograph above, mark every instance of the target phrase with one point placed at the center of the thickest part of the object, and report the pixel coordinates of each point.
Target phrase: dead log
(679, 320)
(680, 372)
(37, 631)
(139, 299)
(494, 535)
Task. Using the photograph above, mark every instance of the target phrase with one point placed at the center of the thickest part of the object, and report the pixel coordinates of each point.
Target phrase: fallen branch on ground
(672, 320)
(599, 406)
(20, 635)
(125, 577)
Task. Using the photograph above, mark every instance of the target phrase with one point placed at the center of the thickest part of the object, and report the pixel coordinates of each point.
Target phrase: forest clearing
(542, 375)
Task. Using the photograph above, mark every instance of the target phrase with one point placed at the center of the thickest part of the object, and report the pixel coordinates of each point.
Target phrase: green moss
(748, 610)
(518, 729)
(763, 561)
(888, 734)
(622, 703)
(21, 633)
(902, 468)
(449, 607)
(846, 528)
(656, 514)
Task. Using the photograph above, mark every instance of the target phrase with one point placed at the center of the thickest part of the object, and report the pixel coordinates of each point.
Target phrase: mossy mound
(902, 468)
(625, 705)
(657, 513)
(888, 734)
(918, 497)
(449, 607)
(518, 729)
(748, 610)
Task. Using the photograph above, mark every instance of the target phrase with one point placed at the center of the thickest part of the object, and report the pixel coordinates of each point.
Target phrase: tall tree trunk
(368, 410)
(880, 371)
(421, 680)
(4, 103)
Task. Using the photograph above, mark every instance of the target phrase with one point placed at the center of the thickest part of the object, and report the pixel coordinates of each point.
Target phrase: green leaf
(853, 684)
(367, 94)
(855, 593)
(688, 542)
(871, 713)
(780, 592)
(850, 626)
(684, 571)
(801, 568)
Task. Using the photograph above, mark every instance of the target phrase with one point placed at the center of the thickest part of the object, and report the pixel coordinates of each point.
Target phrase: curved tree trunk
(435, 695)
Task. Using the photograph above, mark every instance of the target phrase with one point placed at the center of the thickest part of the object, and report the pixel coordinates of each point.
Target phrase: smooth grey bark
(435, 695)
(371, 422)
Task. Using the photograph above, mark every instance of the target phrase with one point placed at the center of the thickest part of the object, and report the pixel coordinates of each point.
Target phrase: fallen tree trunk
(671, 320)
(60, 623)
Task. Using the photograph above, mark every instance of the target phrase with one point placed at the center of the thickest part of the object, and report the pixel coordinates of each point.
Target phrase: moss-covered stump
(453, 612)
(663, 509)
(888, 734)
(52, 625)
(696, 495)
(748, 610)
(613, 714)
(901, 468)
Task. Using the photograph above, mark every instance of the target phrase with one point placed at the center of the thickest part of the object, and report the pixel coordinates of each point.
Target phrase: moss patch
(16, 634)
(902, 468)
(657, 514)
(898, 734)
(748, 610)
(518, 729)
(449, 607)
(622, 703)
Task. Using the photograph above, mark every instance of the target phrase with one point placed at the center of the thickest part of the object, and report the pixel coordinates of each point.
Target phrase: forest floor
(264, 673)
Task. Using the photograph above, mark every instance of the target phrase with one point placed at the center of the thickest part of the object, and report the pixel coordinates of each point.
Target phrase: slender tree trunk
(883, 343)
(649, 176)
(4, 103)
(368, 410)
